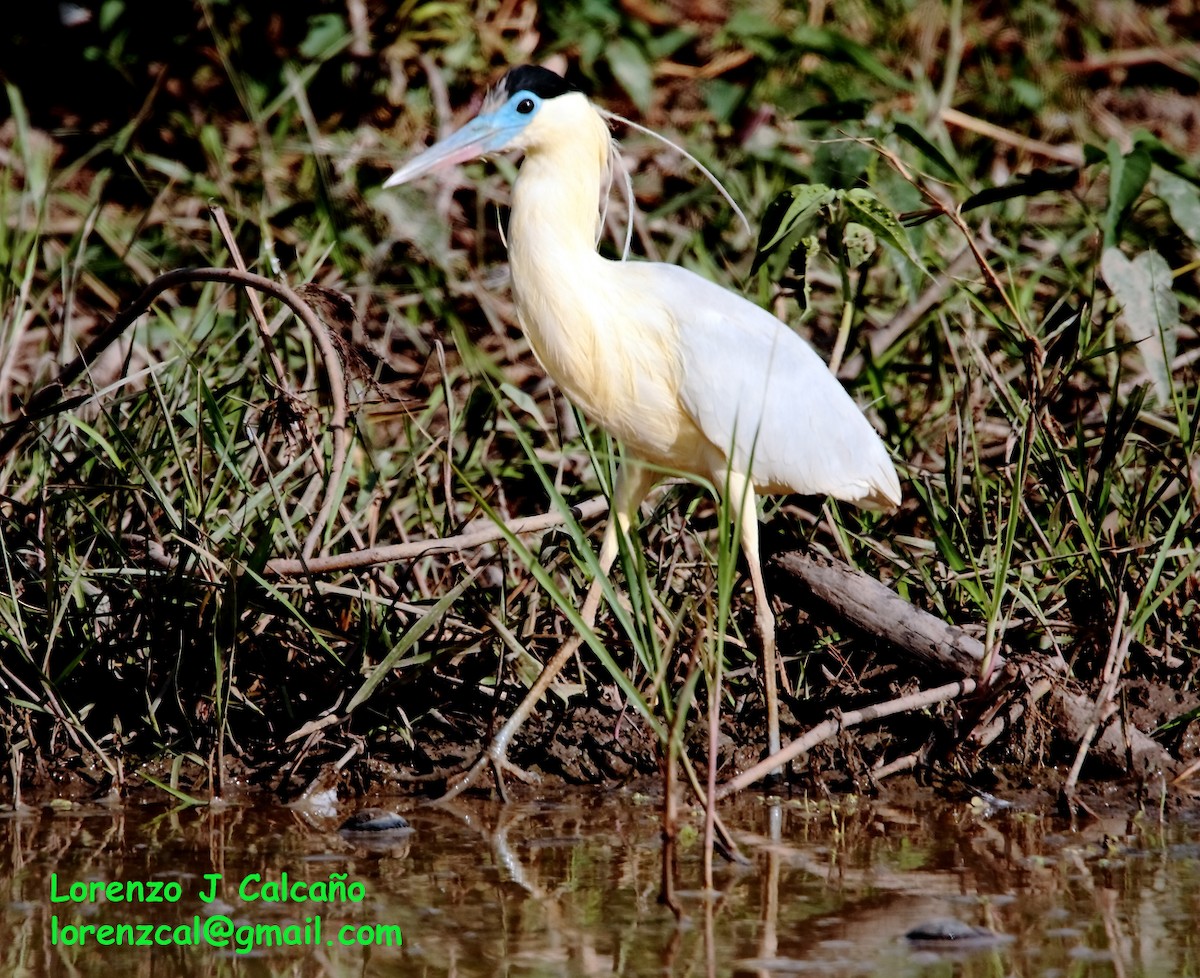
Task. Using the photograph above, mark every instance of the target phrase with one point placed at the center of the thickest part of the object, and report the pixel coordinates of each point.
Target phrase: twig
(1066, 153)
(355, 559)
(356, 11)
(1118, 648)
(905, 763)
(877, 609)
(832, 727)
(1175, 57)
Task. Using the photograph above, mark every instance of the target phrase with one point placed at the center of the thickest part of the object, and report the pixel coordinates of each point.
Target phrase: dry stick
(992, 723)
(1063, 153)
(1118, 648)
(1175, 57)
(369, 557)
(46, 401)
(420, 548)
(834, 726)
(905, 763)
(260, 318)
(875, 608)
(879, 611)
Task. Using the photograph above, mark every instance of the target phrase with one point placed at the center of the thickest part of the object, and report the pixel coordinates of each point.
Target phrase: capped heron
(686, 374)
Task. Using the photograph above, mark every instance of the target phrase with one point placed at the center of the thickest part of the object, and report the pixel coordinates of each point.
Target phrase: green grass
(1047, 459)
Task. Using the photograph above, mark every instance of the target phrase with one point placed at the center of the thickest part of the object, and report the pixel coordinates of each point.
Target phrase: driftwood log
(877, 610)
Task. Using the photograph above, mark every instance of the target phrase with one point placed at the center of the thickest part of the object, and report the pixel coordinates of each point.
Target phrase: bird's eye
(525, 106)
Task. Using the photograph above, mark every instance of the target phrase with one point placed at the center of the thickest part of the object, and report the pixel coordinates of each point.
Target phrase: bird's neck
(553, 220)
(561, 286)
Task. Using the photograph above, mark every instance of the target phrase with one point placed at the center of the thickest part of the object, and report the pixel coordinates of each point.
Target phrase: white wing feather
(768, 402)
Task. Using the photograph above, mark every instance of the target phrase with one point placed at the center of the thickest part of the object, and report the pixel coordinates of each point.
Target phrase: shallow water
(569, 886)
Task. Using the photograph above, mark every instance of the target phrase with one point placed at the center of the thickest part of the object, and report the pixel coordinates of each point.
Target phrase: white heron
(688, 375)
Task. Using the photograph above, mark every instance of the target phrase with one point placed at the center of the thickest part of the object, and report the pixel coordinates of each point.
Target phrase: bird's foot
(498, 761)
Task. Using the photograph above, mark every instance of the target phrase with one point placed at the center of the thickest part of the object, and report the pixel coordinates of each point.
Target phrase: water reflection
(570, 885)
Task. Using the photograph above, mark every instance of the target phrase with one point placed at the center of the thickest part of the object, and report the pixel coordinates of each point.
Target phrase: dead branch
(843, 721)
(357, 559)
(877, 609)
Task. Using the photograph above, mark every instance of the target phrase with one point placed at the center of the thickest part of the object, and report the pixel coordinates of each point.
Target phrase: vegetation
(1025, 332)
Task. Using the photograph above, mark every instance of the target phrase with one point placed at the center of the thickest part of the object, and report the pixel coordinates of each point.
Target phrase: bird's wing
(765, 399)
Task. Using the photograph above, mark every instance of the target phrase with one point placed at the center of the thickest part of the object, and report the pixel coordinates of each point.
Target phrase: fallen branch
(843, 721)
(356, 559)
(1105, 704)
(877, 609)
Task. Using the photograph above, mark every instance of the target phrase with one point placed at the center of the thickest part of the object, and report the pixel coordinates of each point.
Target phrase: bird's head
(528, 107)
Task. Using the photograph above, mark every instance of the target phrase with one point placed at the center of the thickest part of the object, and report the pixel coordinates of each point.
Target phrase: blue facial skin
(491, 131)
(508, 109)
(500, 126)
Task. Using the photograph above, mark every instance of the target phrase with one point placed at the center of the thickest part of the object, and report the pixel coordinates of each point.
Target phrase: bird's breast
(615, 355)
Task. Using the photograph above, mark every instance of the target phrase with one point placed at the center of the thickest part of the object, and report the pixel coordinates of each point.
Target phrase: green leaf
(859, 243)
(110, 13)
(527, 404)
(746, 23)
(174, 792)
(867, 209)
(812, 249)
(1183, 198)
(722, 98)
(1025, 185)
(843, 110)
(629, 67)
(407, 641)
(325, 31)
(837, 47)
(919, 141)
(843, 163)
(1117, 428)
(1129, 175)
(1028, 93)
(1167, 158)
(792, 210)
(1149, 308)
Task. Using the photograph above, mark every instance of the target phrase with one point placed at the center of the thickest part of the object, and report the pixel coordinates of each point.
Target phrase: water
(570, 885)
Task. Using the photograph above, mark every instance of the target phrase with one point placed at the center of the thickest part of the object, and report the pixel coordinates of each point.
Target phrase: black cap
(542, 82)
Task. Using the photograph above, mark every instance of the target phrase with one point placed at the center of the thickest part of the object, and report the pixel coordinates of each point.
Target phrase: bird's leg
(741, 498)
(633, 482)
